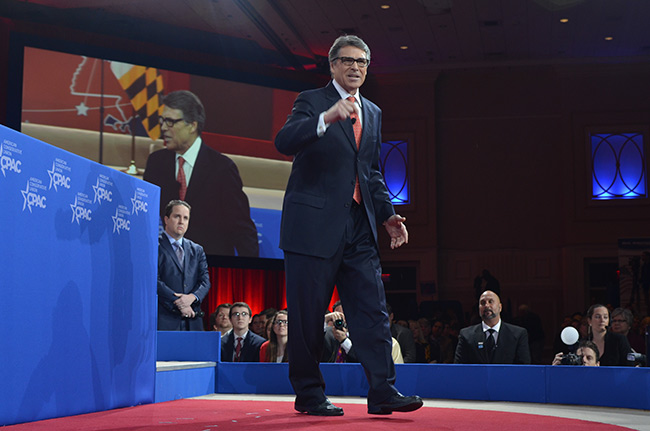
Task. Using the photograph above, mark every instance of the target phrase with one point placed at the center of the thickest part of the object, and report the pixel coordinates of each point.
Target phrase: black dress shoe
(396, 403)
(326, 408)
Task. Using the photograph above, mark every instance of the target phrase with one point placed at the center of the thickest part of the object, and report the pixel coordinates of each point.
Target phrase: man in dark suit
(209, 181)
(183, 278)
(492, 341)
(241, 345)
(334, 201)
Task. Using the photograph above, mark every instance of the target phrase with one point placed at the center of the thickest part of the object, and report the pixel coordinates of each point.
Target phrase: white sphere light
(569, 335)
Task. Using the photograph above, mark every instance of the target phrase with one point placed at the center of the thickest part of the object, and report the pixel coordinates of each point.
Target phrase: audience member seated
(404, 338)
(622, 323)
(492, 341)
(587, 352)
(220, 319)
(451, 331)
(613, 347)
(425, 353)
(275, 349)
(241, 345)
(258, 325)
(337, 346)
(447, 344)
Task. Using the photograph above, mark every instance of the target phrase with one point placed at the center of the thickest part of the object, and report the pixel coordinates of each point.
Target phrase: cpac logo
(120, 223)
(9, 164)
(101, 194)
(138, 205)
(79, 212)
(32, 199)
(58, 179)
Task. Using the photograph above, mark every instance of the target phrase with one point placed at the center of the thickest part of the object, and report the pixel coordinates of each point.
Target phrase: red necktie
(238, 350)
(356, 126)
(181, 179)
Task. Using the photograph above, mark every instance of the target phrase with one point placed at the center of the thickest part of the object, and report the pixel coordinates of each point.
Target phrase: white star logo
(82, 109)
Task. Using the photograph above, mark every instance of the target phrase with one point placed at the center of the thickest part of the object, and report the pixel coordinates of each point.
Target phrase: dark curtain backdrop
(259, 288)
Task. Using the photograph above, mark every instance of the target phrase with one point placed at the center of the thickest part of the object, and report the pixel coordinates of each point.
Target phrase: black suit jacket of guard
(173, 279)
(323, 175)
(220, 219)
(250, 351)
(512, 346)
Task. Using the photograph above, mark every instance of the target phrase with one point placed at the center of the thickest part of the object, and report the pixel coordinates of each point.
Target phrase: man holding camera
(586, 354)
(337, 345)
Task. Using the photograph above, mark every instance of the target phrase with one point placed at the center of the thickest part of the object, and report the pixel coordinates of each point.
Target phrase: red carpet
(216, 415)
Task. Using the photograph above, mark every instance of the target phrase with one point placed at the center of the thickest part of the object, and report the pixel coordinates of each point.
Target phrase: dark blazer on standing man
(319, 194)
(250, 351)
(220, 220)
(512, 346)
(192, 277)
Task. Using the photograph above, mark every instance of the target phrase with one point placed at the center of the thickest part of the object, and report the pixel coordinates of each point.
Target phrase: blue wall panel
(78, 283)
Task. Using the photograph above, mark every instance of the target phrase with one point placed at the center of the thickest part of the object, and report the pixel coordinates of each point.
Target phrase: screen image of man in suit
(335, 199)
(241, 344)
(189, 170)
(492, 341)
(183, 278)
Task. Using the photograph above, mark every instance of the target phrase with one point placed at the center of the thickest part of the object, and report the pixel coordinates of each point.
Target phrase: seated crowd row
(264, 337)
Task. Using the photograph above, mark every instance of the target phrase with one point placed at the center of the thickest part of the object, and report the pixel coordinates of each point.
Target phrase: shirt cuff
(322, 127)
(346, 345)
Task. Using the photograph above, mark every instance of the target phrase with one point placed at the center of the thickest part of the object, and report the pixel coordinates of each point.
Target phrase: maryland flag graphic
(144, 86)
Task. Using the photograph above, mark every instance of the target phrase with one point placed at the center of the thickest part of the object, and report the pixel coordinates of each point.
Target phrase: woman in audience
(613, 347)
(622, 323)
(275, 349)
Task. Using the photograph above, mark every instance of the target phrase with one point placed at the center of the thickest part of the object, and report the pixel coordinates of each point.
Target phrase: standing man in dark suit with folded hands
(183, 279)
(492, 341)
(335, 199)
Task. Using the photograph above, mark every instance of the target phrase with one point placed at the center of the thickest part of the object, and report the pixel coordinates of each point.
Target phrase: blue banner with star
(78, 266)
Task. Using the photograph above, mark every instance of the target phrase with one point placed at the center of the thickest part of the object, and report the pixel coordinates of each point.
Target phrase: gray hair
(191, 106)
(347, 40)
(627, 315)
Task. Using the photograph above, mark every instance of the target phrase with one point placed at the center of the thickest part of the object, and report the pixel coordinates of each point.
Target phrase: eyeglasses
(349, 61)
(240, 313)
(169, 122)
(619, 321)
(281, 322)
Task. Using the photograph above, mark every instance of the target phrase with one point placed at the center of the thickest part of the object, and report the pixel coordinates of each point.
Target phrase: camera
(571, 359)
(340, 324)
(638, 358)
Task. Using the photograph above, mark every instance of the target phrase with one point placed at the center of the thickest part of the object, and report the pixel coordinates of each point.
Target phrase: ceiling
(409, 34)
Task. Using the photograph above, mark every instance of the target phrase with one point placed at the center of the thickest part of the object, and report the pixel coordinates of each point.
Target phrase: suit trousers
(355, 270)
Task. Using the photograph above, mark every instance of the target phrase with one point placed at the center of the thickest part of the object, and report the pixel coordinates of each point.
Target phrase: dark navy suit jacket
(512, 346)
(250, 351)
(173, 279)
(319, 194)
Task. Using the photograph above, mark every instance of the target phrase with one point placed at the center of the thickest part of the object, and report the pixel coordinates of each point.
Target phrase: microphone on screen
(354, 120)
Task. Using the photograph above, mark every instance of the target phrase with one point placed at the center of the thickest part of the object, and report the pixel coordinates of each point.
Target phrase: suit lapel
(480, 337)
(167, 247)
(333, 96)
